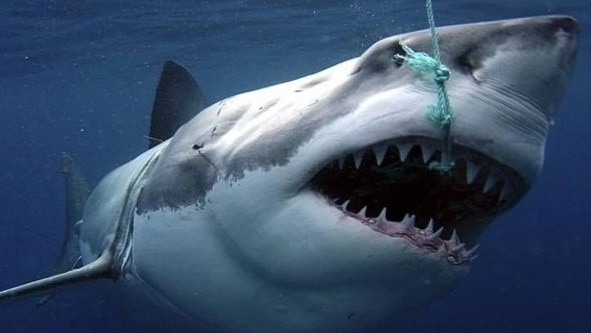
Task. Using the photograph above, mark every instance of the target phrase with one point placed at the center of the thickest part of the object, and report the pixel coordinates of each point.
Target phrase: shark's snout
(567, 24)
(468, 48)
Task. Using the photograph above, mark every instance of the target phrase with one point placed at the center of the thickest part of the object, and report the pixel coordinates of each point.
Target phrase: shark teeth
(358, 158)
(491, 181)
(362, 212)
(435, 235)
(473, 250)
(504, 196)
(382, 215)
(345, 204)
(472, 171)
(404, 150)
(453, 250)
(427, 152)
(429, 228)
(408, 221)
(371, 184)
(458, 247)
(380, 152)
(454, 239)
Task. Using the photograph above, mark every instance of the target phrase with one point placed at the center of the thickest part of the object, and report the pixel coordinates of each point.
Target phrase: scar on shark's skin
(309, 206)
(205, 157)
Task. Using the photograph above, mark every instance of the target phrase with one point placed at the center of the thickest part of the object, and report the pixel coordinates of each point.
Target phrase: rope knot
(441, 74)
(425, 65)
(431, 67)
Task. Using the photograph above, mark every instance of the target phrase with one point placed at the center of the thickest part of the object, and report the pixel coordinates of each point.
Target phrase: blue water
(79, 76)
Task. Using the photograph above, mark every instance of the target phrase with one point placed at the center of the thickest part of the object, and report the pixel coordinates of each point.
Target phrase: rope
(432, 68)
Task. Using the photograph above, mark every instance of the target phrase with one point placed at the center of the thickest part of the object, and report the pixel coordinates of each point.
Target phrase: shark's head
(310, 205)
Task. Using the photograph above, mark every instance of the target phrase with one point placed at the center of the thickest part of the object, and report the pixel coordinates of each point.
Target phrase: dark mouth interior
(465, 198)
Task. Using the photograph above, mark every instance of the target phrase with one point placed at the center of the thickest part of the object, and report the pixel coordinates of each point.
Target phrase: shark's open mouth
(390, 188)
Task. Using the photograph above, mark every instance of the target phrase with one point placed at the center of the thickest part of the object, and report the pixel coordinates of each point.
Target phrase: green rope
(432, 68)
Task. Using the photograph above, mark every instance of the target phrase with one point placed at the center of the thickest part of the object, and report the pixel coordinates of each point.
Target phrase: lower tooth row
(408, 221)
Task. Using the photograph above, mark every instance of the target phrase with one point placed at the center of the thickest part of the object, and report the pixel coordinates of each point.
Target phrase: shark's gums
(310, 206)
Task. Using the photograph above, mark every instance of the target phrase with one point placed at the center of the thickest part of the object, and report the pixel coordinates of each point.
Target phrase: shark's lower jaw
(390, 188)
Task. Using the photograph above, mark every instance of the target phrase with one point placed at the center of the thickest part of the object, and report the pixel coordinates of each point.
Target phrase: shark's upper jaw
(391, 188)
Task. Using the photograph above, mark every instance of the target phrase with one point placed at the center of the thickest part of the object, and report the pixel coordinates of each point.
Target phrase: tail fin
(77, 192)
(67, 268)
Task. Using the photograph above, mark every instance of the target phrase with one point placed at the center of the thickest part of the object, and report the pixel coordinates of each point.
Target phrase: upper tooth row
(472, 169)
(379, 151)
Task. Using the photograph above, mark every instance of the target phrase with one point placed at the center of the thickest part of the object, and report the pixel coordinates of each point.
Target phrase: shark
(310, 205)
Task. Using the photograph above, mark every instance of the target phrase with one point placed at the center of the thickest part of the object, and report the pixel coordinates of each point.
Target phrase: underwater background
(80, 76)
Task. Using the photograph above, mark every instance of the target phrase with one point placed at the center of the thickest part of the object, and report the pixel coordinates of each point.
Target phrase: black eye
(398, 55)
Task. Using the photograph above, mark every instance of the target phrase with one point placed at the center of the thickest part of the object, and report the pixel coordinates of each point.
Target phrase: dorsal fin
(178, 99)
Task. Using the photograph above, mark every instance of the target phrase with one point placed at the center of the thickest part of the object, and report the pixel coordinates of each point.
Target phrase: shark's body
(309, 206)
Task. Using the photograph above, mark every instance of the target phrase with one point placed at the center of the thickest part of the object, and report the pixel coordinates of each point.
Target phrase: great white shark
(309, 206)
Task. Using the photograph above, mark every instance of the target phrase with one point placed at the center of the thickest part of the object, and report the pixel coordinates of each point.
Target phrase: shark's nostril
(466, 63)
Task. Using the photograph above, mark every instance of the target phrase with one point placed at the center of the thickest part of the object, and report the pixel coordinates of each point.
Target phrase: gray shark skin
(309, 206)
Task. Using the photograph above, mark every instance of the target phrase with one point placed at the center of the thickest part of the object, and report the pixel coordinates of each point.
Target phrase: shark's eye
(398, 55)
